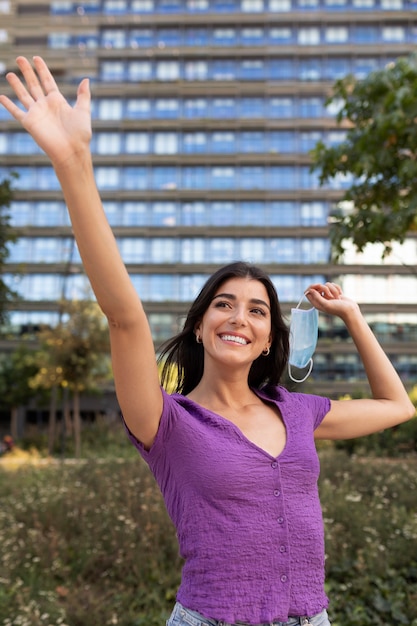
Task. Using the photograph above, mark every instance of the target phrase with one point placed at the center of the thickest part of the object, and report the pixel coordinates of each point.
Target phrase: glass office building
(204, 113)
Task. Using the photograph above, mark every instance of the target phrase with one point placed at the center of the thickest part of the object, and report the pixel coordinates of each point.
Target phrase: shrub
(90, 544)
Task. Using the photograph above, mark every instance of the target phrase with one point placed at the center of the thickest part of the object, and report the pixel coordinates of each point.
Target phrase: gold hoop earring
(266, 352)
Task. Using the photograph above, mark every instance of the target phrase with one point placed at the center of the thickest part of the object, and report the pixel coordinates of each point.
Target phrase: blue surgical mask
(304, 328)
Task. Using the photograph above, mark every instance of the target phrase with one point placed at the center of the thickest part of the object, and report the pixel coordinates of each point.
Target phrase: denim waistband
(187, 617)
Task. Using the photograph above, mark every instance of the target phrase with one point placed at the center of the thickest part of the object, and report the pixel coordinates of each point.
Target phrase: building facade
(204, 113)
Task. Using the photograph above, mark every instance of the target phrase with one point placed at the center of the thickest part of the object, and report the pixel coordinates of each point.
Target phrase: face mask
(304, 328)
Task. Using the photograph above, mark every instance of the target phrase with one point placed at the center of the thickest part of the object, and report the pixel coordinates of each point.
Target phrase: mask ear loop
(310, 363)
(300, 380)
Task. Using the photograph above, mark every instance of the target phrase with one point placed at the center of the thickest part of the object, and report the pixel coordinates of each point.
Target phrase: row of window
(229, 36)
(122, 7)
(224, 141)
(165, 325)
(170, 214)
(206, 108)
(169, 178)
(229, 69)
(187, 250)
(174, 288)
(152, 287)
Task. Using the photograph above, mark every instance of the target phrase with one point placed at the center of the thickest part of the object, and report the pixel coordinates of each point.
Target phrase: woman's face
(236, 327)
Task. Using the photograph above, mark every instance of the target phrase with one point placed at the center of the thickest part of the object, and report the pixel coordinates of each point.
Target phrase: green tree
(6, 236)
(16, 370)
(379, 155)
(74, 356)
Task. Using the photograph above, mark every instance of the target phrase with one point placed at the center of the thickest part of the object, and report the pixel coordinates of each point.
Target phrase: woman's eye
(221, 304)
(259, 312)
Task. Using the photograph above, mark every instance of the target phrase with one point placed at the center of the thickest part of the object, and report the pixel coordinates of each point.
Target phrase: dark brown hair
(184, 353)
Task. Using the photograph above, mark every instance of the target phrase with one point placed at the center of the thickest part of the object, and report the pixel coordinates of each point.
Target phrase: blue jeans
(181, 616)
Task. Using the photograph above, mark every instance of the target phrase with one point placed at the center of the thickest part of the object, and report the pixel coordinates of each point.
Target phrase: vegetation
(6, 236)
(90, 544)
(379, 156)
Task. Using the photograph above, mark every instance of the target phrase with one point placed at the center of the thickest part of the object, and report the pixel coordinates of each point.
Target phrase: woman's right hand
(60, 130)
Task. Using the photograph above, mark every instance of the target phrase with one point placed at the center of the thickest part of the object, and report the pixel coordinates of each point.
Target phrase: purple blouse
(249, 525)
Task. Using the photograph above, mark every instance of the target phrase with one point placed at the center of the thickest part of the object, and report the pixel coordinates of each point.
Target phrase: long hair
(187, 356)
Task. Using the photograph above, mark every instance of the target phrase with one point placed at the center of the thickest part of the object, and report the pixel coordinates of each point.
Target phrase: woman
(232, 451)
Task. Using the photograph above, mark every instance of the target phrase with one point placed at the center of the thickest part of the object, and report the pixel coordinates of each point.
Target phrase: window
(167, 70)
(59, 40)
(195, 142)
(252, 141)
(223, 142)
(164, 214)
(134, 214)
(336, 34)
(252, 36)
(133, 249)
(137, 143)
(196, 37)
(224, 107)
(110, 109)
(251, 107)
(112, 70)
(193, 250)
(139, 70)
(107, 177)
(197, 5)
(166, 108)
(168, 37)
(135, 177)
(393, 33)
(108, 143)
(194, 177)
(280, 35)
(113, 38)
(391, 5)
(224, 37)
(221, 250)
(138, 109)
(222, 214)
(164, 177)
(165, 143)
(169, 6)
(164, 250)
(252, 6)
(281, 107)
(252, 214)
(283, 213)
(282, 141)
(253, 69)
(141, 6)
(223, 177)
(311, 107)
(252, 250)
(114, 7)
(196, 70)
(223, 69)
(279, 6)
(252, 177)
(141, 38)
(195, 108)
(308, 36)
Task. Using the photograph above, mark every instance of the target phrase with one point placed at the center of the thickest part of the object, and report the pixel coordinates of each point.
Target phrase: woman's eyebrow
(231, 296)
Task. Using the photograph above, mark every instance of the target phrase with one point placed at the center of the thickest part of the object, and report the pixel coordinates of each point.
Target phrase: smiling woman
(232, 449)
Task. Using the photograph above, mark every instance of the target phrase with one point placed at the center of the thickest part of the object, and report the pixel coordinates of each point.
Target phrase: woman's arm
(390, 404)
(64, 133)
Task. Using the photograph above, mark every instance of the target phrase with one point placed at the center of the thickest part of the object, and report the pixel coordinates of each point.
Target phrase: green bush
(89, 543)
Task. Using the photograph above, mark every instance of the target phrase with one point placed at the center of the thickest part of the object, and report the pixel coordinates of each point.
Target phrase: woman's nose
(238, 316)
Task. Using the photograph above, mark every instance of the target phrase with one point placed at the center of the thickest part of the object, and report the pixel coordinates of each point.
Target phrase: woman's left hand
(329, 298)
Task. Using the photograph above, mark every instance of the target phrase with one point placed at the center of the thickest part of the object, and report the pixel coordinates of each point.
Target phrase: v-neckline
(240, 432)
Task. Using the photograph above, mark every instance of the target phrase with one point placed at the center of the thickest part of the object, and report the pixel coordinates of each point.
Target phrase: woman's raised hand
(60, 130)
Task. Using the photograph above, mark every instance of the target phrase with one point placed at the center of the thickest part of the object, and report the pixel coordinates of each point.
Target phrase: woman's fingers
(47, 80)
